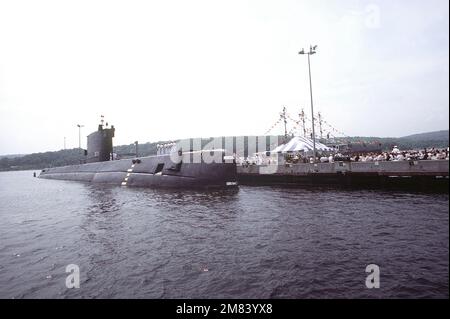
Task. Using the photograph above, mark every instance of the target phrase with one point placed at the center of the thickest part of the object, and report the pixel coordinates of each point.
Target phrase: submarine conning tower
(100, 145)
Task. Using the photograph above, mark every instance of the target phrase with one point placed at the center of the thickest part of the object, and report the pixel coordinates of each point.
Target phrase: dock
(382, 173)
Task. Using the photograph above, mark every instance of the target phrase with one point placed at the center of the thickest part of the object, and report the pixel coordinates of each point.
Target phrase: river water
(254, 242)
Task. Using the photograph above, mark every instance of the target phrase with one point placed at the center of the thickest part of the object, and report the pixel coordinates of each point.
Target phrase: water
(255, 242)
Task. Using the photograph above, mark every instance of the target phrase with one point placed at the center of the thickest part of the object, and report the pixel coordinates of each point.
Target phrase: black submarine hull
(151, 171)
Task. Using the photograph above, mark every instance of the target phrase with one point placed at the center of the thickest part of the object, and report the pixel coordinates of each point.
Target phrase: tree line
(75, 156)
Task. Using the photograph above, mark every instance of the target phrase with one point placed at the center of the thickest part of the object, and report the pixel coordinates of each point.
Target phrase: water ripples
(255, 242)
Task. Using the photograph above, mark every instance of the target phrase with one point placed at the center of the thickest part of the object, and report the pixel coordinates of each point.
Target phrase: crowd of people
(394, 155)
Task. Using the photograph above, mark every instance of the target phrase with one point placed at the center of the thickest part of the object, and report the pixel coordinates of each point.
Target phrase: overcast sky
(161, 70)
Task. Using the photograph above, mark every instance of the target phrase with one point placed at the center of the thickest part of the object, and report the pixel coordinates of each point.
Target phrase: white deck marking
(129, 171)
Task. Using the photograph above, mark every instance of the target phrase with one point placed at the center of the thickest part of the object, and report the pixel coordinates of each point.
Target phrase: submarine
(173, 167)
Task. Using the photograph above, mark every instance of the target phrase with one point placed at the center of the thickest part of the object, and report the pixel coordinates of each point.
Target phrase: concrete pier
(374, 173)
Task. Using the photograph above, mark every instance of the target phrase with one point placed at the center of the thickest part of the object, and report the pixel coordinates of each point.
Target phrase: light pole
(79, 135)
(312, 50)
(79, 138)
(136, 144)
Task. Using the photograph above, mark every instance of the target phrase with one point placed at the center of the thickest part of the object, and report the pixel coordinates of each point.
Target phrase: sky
(165, 70)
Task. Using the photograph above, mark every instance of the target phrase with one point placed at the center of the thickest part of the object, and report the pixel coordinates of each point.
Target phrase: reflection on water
(252, 242)
(102, 199)
(101, 224)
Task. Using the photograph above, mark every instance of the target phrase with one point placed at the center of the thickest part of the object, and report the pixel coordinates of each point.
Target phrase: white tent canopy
(298, 144)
